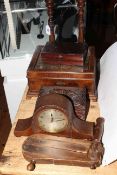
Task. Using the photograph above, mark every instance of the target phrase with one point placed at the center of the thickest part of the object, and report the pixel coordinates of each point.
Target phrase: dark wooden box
(41, 74)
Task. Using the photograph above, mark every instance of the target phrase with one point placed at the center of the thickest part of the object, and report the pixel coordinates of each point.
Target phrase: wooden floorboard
(5, 122)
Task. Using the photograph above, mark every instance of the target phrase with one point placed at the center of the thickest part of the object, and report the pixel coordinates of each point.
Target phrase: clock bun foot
(31, 165)
(93, 167)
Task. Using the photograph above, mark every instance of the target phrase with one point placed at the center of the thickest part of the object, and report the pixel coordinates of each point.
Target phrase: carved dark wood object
(78, 97)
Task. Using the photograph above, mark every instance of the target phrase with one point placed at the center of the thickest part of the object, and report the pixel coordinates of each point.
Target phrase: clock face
(52, 120)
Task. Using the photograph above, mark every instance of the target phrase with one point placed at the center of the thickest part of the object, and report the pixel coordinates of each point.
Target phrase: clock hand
(52, 118)
(59, 120)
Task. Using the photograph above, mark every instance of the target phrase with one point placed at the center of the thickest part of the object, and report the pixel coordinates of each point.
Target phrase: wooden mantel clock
(54, 115)
(57, 135)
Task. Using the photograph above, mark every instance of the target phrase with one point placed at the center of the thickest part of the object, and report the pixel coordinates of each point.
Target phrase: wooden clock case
(72, 101)
(79, 144)
(77, 128)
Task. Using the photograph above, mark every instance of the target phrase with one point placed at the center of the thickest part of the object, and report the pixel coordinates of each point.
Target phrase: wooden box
(40, 73)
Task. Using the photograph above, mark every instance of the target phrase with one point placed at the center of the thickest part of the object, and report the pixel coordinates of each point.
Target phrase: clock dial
(52, 120)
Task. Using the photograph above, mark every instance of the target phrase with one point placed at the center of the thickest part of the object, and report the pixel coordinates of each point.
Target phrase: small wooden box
(41, 73)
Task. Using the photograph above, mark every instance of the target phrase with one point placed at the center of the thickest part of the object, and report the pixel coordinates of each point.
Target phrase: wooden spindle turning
(81, 4)
(50, 11)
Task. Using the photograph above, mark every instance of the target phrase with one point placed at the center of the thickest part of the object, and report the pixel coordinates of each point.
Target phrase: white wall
(15, 81)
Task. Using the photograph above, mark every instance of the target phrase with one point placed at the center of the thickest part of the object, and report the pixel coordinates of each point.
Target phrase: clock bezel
(35, 124)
